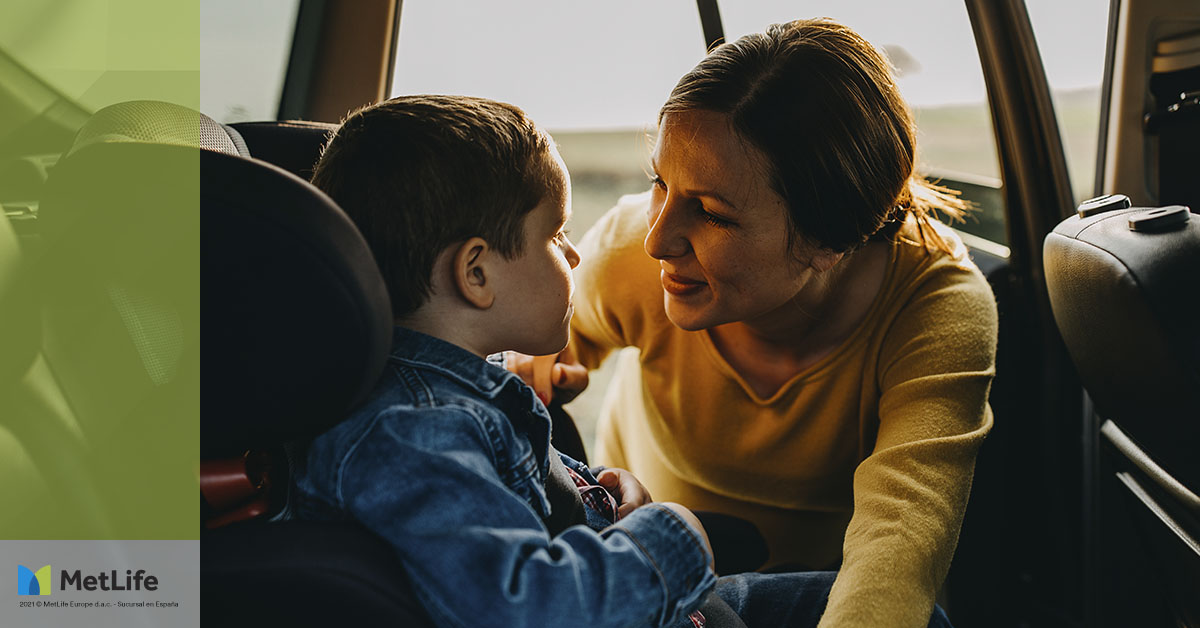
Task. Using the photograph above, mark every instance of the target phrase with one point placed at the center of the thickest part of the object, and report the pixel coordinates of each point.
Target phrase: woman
(815, 348)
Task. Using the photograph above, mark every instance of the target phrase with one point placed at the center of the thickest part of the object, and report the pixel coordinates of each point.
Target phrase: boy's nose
(573, 257)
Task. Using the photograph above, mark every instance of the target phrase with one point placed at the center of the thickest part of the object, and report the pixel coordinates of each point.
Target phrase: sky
(580, 64)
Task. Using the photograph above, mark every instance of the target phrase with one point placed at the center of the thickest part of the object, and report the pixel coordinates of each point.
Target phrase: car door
(1142, 541)
(1021, 533)
(1020, 556)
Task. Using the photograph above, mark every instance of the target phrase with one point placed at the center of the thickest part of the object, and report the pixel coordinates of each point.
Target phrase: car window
(931, 46)
(1071, 37)
(244, 50)
(70, 51)
(594, 75)
(591, 73)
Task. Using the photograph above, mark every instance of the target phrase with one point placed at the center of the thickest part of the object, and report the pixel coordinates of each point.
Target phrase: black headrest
(157, 122)
(293, 145)
(143, 122)
(296, 320)
(1125, 295)
(117, 276)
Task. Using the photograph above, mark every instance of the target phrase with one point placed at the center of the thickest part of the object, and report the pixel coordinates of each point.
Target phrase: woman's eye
(714, 219)
(708, 217)
(561, 236)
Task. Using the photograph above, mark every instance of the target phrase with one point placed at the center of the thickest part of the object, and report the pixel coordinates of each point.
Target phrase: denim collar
(506, 391)
(483, 376)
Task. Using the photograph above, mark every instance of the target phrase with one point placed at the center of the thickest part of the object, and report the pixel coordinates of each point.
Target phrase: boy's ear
(472, 272)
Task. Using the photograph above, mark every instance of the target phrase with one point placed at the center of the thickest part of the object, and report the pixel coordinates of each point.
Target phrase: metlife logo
(101, 583)
(30, 582)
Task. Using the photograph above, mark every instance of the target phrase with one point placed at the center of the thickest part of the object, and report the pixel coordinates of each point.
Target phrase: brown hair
(822, 104)
(418, 174)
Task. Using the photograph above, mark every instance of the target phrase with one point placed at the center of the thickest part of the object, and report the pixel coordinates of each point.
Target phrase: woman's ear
(824, 259)
(472, 272)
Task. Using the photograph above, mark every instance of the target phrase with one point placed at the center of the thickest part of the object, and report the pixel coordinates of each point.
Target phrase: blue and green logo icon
(30, 582)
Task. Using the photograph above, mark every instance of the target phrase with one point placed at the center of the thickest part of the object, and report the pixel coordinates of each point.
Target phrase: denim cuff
(677, 554)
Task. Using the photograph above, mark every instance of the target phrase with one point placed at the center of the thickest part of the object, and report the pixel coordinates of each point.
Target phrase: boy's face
(534, 289)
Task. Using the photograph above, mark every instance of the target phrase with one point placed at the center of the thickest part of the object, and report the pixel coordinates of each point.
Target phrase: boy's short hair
(418, 174)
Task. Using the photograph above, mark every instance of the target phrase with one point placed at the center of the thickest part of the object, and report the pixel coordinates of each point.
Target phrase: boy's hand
(559, 376)
(630, 494)
(626, 488)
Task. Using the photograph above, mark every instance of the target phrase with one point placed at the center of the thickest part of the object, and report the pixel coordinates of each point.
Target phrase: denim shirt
(447, 461)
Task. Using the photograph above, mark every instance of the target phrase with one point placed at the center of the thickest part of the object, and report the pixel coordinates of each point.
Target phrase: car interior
(1085, 509)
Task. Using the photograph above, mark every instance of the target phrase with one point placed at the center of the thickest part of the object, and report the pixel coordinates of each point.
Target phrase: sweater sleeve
(935, 368)
(611, 282)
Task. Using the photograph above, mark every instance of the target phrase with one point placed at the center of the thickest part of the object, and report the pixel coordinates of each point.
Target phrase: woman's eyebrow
(715, 195)
(699, 193)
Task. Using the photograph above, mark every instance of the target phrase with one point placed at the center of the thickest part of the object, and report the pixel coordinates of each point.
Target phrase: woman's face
(718, 230)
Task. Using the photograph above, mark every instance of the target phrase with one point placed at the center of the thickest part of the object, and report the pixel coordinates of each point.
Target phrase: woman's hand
(693, 521)
(559, 376)
(626, 488)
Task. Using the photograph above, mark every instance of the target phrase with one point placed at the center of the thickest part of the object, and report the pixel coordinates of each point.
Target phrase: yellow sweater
(866, 457)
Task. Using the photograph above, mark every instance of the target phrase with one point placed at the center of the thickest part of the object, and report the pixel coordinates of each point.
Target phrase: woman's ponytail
(928, 202)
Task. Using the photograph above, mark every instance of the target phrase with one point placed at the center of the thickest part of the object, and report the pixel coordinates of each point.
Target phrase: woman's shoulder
(938, 285)
(611, 251)
(932, 252)
(617, 283)
(937, 294)
(620, 229)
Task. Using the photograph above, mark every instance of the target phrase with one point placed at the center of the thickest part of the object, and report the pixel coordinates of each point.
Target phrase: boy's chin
(546, 345)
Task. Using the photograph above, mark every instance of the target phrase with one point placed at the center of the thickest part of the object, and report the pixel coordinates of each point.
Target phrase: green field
(954, 142)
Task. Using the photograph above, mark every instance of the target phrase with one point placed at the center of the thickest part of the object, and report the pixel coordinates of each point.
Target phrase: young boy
(463, 201)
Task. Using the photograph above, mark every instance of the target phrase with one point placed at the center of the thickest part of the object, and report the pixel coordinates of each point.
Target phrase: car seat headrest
(1122, 299)
(1123, 285)
(157, 122)
(294, 145)
(296, 322)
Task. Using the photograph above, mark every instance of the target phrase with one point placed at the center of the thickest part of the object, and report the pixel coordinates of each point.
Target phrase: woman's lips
(681, 286)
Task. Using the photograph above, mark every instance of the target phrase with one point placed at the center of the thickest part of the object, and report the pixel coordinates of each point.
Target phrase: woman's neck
(789, 327)
(770, 349)
(780, 340)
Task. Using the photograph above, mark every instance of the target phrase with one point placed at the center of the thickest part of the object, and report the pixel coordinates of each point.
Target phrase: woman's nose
(666, 237)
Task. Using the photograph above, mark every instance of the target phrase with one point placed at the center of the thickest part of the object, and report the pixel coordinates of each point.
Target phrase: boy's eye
(658, 182)
(561, 236)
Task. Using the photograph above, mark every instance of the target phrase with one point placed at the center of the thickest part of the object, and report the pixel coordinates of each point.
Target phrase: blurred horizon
(605, 164)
